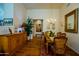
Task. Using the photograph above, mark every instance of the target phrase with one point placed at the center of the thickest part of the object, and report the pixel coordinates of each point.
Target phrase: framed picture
(71, 21)
(1, 22)
(38, 25)
(8, 21)
(1, 14)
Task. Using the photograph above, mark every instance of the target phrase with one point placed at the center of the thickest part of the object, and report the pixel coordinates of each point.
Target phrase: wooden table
(49, 40)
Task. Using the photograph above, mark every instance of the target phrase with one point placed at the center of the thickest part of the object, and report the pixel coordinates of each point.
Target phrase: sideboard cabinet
(10, 43)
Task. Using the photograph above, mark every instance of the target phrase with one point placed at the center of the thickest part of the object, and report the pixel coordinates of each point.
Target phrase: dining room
(39, 29)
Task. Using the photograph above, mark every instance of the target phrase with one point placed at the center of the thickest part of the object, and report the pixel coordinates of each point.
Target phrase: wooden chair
(60, 45)
(45, 37)
(46, 45)
(58, 34)
(63, 34)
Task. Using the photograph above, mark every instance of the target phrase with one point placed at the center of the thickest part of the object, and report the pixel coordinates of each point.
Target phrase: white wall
(73, 38)
(19, 14)
(45, 14)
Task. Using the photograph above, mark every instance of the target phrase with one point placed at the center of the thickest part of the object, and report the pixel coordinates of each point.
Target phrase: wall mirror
(71, 21)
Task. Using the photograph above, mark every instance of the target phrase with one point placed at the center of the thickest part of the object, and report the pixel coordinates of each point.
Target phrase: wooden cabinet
(11, 43)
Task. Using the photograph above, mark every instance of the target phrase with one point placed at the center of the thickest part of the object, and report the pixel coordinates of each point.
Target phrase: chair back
(63, 34)
(60, 45)
(58, 34)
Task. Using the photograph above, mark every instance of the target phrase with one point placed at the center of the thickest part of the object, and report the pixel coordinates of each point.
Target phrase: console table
(10, 43)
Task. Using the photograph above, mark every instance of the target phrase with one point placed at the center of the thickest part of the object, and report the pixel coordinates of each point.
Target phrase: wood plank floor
(31, 48)
(35, 47)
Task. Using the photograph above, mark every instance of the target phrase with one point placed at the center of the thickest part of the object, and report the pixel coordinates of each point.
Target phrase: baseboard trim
(72, 50)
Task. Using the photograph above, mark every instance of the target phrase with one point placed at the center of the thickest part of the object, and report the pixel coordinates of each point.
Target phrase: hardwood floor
(36, 48)
(32, 48)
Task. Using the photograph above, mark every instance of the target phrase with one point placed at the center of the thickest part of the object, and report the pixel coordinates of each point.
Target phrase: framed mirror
(71, 22)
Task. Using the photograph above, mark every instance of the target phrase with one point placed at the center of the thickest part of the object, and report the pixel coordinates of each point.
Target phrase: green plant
(28, 26)
(51, 34)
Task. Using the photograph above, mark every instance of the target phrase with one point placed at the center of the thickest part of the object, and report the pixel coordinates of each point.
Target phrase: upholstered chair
(63, 34)
(60, 45)
(58, 34)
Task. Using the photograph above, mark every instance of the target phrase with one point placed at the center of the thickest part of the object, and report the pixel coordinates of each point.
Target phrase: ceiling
(43, 5)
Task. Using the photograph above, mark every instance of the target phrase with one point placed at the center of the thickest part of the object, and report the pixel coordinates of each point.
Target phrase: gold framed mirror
(71, 21)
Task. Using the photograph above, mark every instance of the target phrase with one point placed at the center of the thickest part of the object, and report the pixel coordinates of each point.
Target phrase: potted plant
(29, 27)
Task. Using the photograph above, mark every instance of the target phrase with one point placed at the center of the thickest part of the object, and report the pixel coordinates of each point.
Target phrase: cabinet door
(20, 39)
(24, 38)
(13, 43)
(5, 45)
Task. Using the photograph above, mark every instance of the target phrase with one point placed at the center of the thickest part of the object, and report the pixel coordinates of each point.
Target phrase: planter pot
(30, 37)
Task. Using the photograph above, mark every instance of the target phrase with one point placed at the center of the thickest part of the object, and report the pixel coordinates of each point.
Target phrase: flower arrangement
(51, 34)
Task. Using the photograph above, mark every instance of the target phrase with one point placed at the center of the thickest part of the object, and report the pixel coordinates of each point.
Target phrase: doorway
(37, 27)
